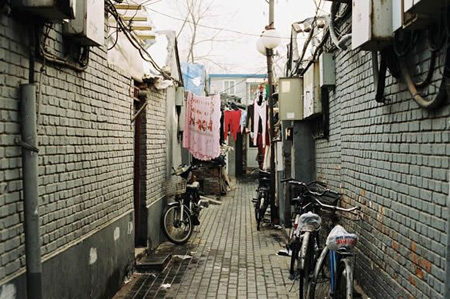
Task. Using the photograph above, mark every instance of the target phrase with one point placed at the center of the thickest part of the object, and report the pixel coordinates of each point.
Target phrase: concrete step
(157, 259)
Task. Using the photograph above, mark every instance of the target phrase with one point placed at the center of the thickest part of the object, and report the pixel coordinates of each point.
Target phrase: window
(229, 87)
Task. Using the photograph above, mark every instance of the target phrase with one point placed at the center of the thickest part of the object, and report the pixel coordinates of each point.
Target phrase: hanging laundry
(259, 115)
(202, 126)
(243, 121)
(232, 119)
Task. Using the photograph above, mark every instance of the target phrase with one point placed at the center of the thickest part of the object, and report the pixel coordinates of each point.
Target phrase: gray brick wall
(86, 148)
(393, 160)
(154, 130)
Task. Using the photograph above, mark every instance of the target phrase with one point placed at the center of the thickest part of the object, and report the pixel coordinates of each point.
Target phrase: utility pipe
(273, 212)
(30, 191)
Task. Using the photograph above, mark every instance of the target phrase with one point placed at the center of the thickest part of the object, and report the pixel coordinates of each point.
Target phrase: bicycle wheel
(257, 204)
(344, 280)
(295, 248)
(307, 265)
(174, 229)
(319, 288)
(262, 207)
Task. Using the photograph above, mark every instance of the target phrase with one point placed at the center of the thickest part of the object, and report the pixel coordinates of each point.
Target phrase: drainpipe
(30, 191)
(447, 268)
(30, 183)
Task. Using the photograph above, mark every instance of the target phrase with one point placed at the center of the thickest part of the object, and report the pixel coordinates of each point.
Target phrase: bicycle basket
(175, 185)
(330, 198)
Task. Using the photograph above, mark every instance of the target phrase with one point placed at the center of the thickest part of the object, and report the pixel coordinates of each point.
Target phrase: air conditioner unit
(290, 98)
(56, 10)
(371, 24)
(88, 27)
(312, 103)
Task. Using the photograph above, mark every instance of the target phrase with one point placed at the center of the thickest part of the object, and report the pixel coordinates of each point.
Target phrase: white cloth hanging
(259, 114)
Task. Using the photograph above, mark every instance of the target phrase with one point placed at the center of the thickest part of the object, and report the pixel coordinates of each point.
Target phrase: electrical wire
(137, 44)
(244, 80)
(211, 27)
(63, 61)
(437, 37)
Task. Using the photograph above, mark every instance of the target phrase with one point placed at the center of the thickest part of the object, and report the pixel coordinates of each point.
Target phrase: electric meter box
(88, 27)
(56, 10)
(290, 98)
(327, 70)
(371, 24)
(179, 96)
(312, 103)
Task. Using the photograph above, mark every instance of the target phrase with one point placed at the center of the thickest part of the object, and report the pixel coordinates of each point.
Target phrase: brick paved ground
(228, 258)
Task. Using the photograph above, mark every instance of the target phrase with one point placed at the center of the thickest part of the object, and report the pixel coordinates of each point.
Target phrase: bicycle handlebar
(306, 186)
(322, 205)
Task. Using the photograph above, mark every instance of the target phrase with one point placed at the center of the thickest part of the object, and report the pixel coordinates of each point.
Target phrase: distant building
(242, 86)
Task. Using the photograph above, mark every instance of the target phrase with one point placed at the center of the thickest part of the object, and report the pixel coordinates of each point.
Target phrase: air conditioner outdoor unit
(88, 27)
(371, 24)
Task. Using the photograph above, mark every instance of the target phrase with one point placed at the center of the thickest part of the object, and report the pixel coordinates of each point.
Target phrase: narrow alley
(225, 258)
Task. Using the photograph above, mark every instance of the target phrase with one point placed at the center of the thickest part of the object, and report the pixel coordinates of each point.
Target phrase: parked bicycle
(305, 240)
(338, 274)
(302, 204)
(262, 200)
(180, 217)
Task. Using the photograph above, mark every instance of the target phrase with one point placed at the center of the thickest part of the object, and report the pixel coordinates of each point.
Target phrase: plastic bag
(341, 240)
(309, 220)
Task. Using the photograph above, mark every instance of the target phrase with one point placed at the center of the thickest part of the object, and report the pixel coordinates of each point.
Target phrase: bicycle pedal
(284, 252)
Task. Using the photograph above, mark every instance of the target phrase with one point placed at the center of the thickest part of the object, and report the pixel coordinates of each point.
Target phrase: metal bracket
(139, 112)
(26, 145)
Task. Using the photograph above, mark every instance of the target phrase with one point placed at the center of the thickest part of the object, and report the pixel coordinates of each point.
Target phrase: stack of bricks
(210, 179)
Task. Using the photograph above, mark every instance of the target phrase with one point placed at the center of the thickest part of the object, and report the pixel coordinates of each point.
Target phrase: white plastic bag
(309, 220)
(339, 239)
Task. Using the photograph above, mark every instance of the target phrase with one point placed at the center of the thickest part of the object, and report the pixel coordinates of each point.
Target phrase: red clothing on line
(232, 118)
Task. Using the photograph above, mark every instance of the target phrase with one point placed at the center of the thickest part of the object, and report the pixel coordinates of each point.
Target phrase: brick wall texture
(154, 131)
(86, 143)
(393, 160)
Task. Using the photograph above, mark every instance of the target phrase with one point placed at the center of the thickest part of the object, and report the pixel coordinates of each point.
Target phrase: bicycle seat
(340, 240)
(309, 222)
(264, 174)
(193, 186)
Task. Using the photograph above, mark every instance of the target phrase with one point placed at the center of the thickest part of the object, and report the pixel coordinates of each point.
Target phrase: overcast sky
(232, 52)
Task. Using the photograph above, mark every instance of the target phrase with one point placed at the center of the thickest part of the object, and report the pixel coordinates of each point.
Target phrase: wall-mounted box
(182, 119)
(424, 6)
(179, 96)
(57, 10)
(371, 24)
(290, 98)
(312, 103)
(419, 14)
(88, 27)
(327, 68)
(397, 14)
